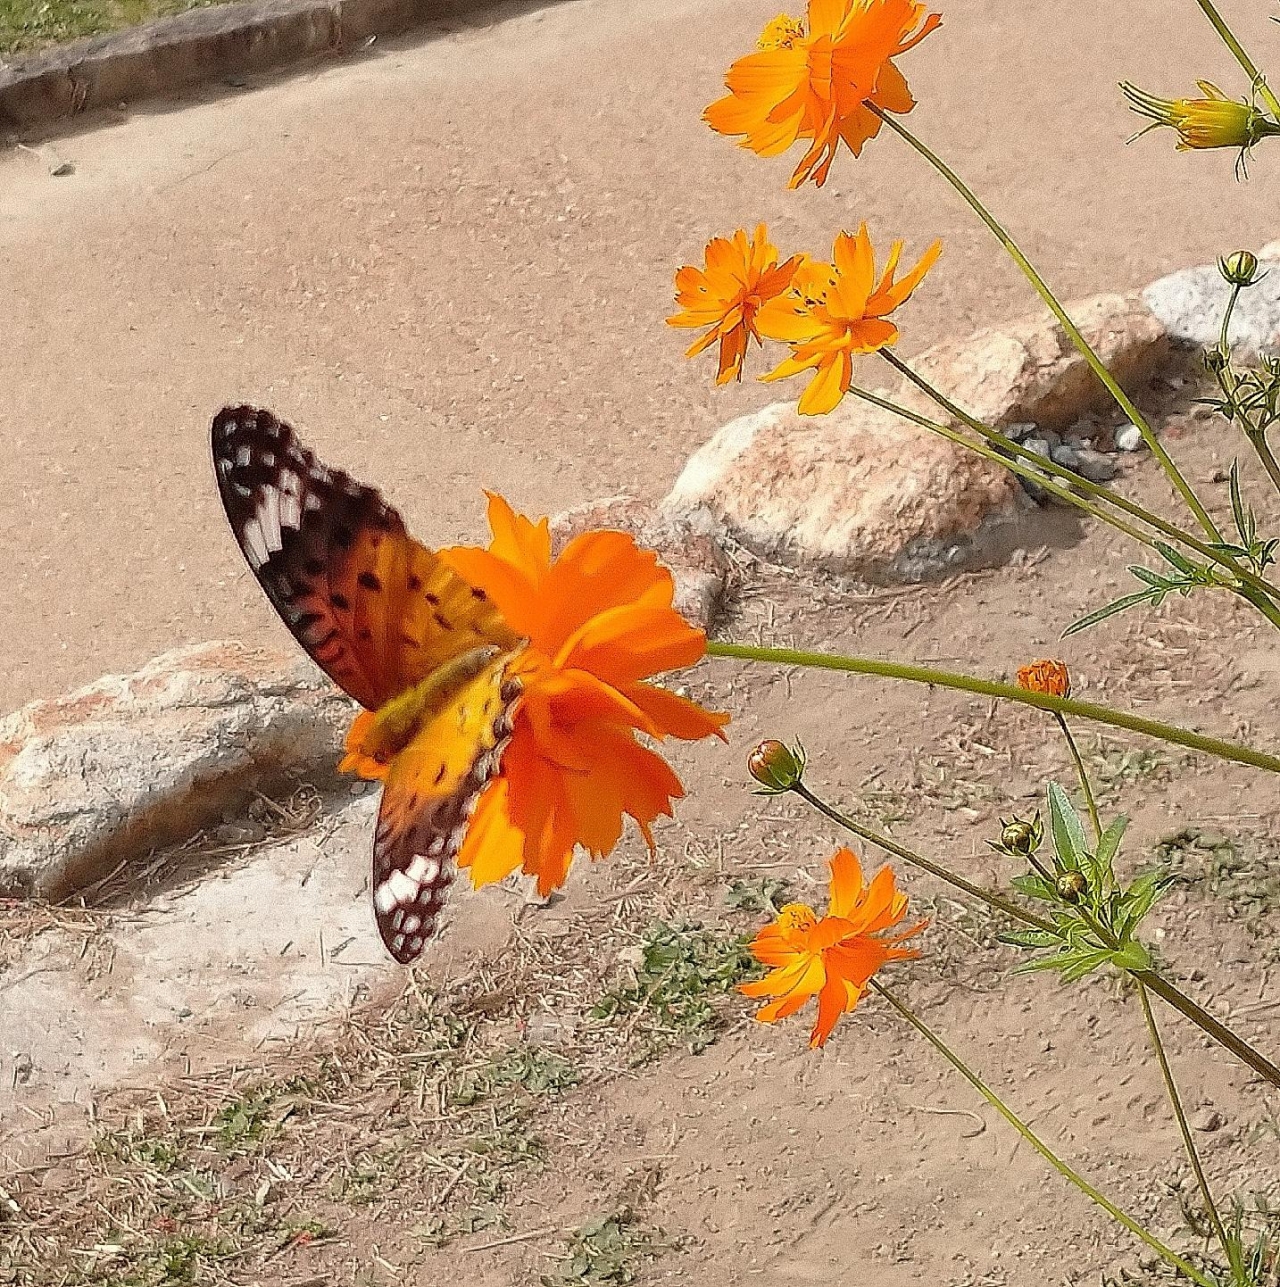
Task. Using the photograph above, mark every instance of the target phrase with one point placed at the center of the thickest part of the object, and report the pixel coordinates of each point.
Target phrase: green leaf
(1121, 604)
(1035, 887)
(1244, 522)
(1151, 577)
(1132, 956)
(1109, 844)
(1029, 938)
(1085, 963)
(1067, 829)
(1176, 557)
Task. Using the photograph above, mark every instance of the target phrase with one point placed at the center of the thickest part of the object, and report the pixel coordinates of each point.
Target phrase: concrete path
(449, 260)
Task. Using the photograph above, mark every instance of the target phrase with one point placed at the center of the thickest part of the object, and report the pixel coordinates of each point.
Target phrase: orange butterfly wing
(376, 610)
(379, 613)
(427, 799)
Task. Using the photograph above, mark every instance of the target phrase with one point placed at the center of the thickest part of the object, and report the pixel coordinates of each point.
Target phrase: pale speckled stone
(1029, 370)
(107, 773)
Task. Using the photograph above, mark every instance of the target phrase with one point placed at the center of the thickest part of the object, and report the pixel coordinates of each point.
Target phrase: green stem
(1224, 345)
(1083, 484)
(889, 845)
(992, 688)
(1067, 1172)
(1263, 448)
(1260, 588)
(1165, 990)
(1083, 776)
(1175, 1101)
(1256, 79)
(1223, 1035)
(1123, 401)
(1035, 471)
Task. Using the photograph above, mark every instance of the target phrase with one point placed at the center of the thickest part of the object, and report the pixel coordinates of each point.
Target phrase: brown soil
(467, 1127)
(457, 251)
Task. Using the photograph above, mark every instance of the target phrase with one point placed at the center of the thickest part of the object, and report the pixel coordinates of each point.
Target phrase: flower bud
(1239, 268)
(1046, 676)
(1018, 837)
(775, 766)
(1215, 360)
(1072, 885)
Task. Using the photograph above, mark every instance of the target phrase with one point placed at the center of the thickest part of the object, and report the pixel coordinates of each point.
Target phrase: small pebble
(1038, 445)
(1207, 1119)
(1019, 431)
(1095, 466)
(1128, 438)
(1064, 455)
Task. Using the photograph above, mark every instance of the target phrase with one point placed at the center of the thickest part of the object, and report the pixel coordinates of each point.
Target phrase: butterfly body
(422, 651)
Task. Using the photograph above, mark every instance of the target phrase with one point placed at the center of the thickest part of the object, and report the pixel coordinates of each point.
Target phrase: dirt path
(450, 259)
(465, 1130)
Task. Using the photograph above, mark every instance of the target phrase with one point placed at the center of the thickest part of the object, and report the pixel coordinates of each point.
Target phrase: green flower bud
(1239, 269)
(775, 766)
(1072, 886)
(1018, 837)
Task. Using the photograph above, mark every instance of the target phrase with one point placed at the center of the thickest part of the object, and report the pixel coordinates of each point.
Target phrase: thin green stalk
(1067, 1172)
(1230, 385)
(1083, 776)
(1172, 995)
(889, 845)
(1175, 1101)
(1008, 692)
(1224, 345)
(1254, 588)
(1035, 471)
(1256, 79)
(1096, 490)
(1263, 448)
(1165, 990)
(1095, 362)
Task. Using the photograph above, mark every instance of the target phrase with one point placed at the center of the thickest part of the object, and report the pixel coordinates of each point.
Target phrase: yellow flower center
(782, 32)
(797, 918)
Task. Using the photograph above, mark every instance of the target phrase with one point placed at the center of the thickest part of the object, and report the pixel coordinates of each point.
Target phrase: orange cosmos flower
(1045, 676)
(831, 958)
(833, 311)
(739, 277)
(819, 80)
(599, 622)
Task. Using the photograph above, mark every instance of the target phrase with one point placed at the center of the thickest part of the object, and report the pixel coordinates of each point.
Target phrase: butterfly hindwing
(375, 609)
(427, 800)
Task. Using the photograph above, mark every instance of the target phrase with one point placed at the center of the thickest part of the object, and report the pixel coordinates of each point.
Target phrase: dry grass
(422, 1112)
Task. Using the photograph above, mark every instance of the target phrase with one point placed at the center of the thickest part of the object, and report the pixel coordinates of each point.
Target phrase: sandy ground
(385, 1147)
(449, 260)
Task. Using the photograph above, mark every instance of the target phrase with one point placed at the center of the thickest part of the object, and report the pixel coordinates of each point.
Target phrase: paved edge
(171, 54)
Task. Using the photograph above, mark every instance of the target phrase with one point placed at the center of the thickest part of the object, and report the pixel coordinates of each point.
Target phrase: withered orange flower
(599, 622)
(1046, 676)
(740, 275)
(818, 80)
(833, 311)
(834, 956)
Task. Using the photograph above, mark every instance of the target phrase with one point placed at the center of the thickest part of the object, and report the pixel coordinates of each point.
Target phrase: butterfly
(390, 623)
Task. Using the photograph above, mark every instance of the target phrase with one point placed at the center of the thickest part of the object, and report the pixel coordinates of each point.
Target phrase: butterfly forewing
(373, 607)
(426, 803)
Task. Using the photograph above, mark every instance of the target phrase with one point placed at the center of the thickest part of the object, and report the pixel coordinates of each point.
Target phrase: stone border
(172, 54)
